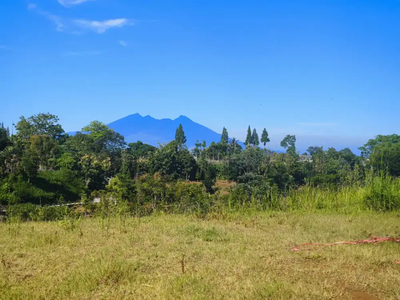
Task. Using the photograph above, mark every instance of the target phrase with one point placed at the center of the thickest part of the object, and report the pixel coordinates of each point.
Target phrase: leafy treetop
(180, 137)
(264, 137)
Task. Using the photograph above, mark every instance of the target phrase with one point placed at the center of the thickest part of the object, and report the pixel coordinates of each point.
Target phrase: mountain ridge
(149, 130)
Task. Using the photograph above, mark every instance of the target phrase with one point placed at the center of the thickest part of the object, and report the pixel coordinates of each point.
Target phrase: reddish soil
(363, 296)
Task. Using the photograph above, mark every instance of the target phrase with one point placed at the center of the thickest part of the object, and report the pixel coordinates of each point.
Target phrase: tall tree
(10, 159)
(314, 150)
(248, 137)
(197, 150)
(234, 147)
(187, 165)
(224, 137)
(368, 148)
(180, 137)
(289, 143)
(41, 136)
(385, 158)
(4, 137)
(29, 164)
(207, 173)
(46, 149)
(348, 156)
(169, 160)
(251, 159)
(212, 151)
(40, 124)
(103, 138)
(95, 169)
(140, 150)
(264, 137)
(254, 138)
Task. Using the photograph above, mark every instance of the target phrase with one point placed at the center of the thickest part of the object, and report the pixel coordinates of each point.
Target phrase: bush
(32, 212)
(254, 191)
(22, 191)
(324, 180)
(23, 212)
(7, 196)
(47, 188)
(52, 213)
(191, 198)
(64, 182)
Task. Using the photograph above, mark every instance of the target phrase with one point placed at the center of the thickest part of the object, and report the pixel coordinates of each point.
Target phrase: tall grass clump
(260, 196)
(305, 198)
(309, 198)
(382, 193)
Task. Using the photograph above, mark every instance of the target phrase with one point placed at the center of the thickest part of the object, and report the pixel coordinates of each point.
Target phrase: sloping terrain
(153, 131)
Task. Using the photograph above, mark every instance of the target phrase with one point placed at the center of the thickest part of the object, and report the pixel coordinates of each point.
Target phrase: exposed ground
(181, 257)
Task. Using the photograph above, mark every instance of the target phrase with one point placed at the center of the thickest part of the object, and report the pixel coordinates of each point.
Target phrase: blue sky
(327, 71)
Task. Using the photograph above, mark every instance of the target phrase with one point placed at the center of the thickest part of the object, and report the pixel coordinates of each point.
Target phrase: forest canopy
(42, 164)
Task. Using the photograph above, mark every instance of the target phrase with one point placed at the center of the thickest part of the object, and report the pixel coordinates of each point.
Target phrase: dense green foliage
(264, 137)
(180, 137)
(42, 165)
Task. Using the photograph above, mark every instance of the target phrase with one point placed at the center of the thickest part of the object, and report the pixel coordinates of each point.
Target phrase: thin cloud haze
(316, 124)
(58, 21)
(80, 26)
(123, 43)
(69, 3)
(101, 26)
(81, 53)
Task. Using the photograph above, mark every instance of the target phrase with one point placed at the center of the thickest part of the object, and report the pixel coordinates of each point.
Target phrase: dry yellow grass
(240, 257)
(224, 186)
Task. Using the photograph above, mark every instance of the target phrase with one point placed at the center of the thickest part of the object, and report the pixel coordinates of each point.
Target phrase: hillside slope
(153, 131)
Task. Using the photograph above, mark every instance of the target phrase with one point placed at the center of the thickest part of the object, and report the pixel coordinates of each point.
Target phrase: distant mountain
(153, 131)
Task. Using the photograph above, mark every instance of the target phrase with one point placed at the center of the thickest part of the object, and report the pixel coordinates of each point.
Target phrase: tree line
(42, 164)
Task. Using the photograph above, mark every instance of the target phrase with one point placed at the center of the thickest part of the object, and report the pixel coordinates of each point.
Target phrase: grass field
(240, 256)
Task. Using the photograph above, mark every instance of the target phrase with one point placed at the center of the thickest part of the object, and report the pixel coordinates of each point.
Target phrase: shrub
(23, 191)
(191, 198)
(254, 191)
(23, 212)
(52, 213)
(47, 188)
(7, 196)
(324, 180)
(32, 212)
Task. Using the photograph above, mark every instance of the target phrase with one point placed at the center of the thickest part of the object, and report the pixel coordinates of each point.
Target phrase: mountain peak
(153, 131)
(182, 118)
(135, 115)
